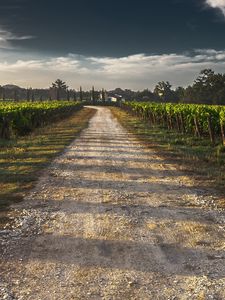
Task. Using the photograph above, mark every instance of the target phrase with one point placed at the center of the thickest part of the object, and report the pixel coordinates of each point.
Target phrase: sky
(110, 43)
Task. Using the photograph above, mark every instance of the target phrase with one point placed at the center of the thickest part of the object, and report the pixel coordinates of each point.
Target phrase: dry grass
(196, 157)
(22, 159)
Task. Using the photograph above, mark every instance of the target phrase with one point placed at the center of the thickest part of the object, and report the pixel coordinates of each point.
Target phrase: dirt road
(111, 219)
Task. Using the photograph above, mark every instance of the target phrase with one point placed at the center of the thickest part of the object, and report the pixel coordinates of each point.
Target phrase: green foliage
(194, 155)
(22, 118)
(222, 116)
(22, 158)
(183, 117)
(60, 87)
(164, 92)
(208, 88)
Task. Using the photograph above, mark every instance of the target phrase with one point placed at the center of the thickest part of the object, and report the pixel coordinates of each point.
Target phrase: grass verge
(22, 159)
(197, 157)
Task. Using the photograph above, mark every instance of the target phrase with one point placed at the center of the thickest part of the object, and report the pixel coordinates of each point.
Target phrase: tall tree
(81, 94)
(68, 94)
(179, 94)
(74, 95)
(103, 95)
(1, 92)
(60, 88)
(163, 90)
(208, 88)
(29, 93)
(32, 95)
(204, 78)
(93, 98)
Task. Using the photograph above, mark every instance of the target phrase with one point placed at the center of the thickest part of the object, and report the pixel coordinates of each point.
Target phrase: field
(21, 118)
(206, 121)
(131, 206)
(171, 130)
(23, 157)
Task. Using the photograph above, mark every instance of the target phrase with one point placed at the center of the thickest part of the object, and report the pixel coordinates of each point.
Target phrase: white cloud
(219, 4)
(135, 71)
(7, 37)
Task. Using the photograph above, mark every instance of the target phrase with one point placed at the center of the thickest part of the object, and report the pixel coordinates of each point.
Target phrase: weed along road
(111, 219)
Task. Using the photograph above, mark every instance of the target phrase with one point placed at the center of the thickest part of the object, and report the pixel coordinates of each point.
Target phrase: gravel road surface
(111, 219)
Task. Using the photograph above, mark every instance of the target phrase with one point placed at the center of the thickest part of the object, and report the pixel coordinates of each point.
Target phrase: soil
(111, 219)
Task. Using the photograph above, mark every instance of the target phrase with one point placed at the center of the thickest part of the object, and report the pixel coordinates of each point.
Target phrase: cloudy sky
(110, 43)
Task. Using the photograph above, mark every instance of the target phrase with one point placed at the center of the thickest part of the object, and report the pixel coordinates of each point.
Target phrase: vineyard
(21, 118)
(199, 120)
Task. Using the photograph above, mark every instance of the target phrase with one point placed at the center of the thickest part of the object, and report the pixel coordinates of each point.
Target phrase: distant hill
(11, 86)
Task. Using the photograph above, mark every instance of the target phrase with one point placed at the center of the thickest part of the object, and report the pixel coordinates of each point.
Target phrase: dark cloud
(112, 28)
(111, 43)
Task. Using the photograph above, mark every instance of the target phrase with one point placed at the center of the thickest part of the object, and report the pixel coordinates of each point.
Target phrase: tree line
(58, 90)
(208, 88)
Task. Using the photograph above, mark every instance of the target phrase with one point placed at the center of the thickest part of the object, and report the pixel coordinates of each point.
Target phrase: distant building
(112, 99)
